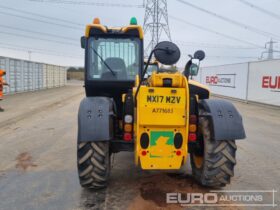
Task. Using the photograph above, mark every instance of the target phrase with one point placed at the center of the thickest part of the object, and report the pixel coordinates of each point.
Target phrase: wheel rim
(198, 161)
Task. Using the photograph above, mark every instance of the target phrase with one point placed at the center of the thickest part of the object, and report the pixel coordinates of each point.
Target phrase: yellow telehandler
(161, 118)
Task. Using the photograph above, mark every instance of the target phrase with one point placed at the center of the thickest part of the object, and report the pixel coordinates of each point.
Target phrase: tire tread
(218, 161)
(93, 161)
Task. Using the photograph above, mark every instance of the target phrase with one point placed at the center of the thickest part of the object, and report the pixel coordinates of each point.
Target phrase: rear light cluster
(128, 117)
(192, 128)
(128, 125)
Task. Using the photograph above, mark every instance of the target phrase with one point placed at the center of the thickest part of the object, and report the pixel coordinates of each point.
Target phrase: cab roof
(96, 28)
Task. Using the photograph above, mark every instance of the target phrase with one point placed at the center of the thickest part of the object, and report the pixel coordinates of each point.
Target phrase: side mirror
(167, 53)
(83, 42)
(200, 55)
(194, 69)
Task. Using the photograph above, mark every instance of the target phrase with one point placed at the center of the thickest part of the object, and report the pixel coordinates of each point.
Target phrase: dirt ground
(38, 159)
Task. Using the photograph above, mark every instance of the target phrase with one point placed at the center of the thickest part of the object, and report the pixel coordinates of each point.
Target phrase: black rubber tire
(218, 159)
(93, 161)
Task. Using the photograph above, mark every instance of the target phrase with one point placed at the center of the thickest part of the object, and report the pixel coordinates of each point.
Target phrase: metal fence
(24, 76)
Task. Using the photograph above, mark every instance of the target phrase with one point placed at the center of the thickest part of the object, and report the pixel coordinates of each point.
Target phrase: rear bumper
(161, 163)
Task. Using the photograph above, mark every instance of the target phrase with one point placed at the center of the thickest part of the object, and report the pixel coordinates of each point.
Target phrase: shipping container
(50, 75)
(257, 81)
(56, 76)
(24, 76)
(264, 82)
(228, 80)
(3, 65)
(62, 76)
(45, 76)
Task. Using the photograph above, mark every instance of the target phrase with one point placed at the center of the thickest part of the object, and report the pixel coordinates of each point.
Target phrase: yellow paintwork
(123, 29)
(193, 82)
(162, 112)
(158, 113)
(156, 79)
(164, 148)
(132, 27)
(90, 26)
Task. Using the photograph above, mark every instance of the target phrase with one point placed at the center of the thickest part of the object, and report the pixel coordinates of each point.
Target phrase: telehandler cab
(161, 118)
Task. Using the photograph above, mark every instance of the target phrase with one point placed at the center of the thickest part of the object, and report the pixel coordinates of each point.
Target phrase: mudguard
(226, 120)
(95, 119)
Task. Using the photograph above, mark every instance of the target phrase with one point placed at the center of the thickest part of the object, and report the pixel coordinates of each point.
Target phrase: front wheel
(93, 161)
(214, 166)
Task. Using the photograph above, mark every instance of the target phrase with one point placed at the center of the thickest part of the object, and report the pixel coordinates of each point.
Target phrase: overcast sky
(64, 46)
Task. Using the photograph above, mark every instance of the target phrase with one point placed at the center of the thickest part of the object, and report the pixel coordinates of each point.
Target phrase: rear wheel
(214, 166)
(93, 164)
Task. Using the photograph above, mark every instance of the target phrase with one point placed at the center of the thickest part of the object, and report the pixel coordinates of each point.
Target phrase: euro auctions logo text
(210, 198)
(252, 198)
(271, 82)
(222, 80)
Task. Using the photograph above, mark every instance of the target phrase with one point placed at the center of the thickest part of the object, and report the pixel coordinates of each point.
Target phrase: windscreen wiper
(113, 73)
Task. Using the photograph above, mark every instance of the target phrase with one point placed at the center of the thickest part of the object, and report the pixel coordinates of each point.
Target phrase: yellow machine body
(162, 112)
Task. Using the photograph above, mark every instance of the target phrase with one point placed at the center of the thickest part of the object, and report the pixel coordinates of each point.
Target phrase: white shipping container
(14, 76)
(25, 75)
(264, 82)
(226, 80)
(37, 76)
(45, 75)
(28, 72)
(62, 76)
(41, 76)
(56, 76)
(3, 65)
(50, 76)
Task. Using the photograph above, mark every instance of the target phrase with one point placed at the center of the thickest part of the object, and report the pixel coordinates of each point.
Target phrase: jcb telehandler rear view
(162, 117)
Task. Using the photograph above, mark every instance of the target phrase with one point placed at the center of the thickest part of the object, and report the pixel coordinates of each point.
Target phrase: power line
(215, 32)
(39, 15)
(33, 49)
(37, 32)
(238, 57)
(213, 45)
(38, 52)
(36, 38)
(231, 58)
(260, 9)
(244, 26)
(219, 46)
(85, 3)
(226, 57)
(41, 21)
